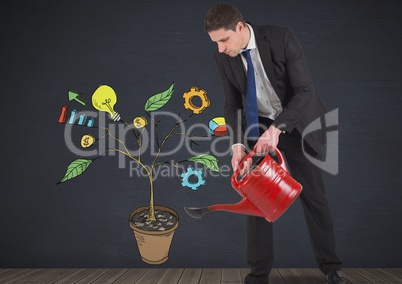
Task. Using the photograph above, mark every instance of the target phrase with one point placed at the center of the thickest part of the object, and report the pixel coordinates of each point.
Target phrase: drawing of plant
(151, 220)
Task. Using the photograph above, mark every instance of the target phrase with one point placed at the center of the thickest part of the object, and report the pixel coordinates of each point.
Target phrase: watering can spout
(243, 207)
(196, 212)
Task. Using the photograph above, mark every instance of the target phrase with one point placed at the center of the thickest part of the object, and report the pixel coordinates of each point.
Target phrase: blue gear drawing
(186, 175)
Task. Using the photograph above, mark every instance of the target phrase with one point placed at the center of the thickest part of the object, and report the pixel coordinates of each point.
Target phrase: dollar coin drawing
(140, 122)
(87, 141)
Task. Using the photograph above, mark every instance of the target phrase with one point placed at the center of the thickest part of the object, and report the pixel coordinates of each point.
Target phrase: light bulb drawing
(104, 99)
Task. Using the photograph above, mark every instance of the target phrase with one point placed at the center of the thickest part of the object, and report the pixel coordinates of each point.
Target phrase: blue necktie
(251, 101)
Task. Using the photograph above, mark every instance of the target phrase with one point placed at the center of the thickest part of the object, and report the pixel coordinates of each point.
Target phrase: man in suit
(286, 103)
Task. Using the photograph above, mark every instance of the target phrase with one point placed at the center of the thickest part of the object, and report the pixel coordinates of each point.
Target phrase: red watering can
(267, 189)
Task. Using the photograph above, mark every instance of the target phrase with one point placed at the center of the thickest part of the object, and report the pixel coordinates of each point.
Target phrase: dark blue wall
(48, 47)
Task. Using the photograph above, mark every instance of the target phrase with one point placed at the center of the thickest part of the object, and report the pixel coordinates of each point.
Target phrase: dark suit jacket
(286, 68)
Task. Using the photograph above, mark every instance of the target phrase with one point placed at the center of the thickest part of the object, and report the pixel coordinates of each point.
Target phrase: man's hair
(222, 16)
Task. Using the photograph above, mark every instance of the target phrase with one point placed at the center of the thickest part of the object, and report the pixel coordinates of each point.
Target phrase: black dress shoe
(256, 279)
(335, 277)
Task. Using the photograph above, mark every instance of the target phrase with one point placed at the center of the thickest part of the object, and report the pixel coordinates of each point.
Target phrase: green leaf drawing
(208, 160)
(159, 100)
(76, 168)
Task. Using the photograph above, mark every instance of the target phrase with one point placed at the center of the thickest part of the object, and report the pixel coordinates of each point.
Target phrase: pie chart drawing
(217, 126)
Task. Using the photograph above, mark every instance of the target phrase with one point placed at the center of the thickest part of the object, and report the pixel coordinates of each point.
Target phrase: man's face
(230, 42)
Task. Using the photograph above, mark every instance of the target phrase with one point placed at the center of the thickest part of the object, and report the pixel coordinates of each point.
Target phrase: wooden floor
(191, 276)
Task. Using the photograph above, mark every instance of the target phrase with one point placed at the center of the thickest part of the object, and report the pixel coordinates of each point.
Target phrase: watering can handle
(277, 152)
(282, 161)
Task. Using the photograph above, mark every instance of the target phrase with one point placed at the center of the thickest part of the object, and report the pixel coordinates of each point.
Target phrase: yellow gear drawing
(195, 92)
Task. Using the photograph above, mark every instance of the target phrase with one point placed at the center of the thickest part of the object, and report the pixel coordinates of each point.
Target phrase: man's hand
(238, 155)
(267, 141)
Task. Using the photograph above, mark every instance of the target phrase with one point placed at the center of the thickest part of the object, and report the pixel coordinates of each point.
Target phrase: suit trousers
(260, 247)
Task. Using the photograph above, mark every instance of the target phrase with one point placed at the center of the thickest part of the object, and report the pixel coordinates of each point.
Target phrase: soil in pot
(165, 220)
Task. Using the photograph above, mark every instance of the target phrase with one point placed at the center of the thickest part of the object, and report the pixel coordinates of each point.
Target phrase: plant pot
(153, 245)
